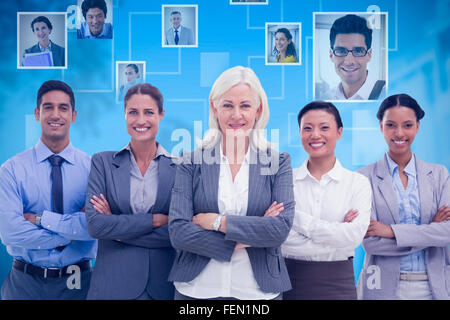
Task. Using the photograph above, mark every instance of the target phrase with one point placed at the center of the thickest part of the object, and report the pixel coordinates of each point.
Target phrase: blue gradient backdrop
(229, 35)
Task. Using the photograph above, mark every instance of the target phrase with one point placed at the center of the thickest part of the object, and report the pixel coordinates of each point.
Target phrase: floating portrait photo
(283, 43)
(94, 19)
(249, 2)
(179, 26)
(41, 40)
(128, 74)
(350, 56)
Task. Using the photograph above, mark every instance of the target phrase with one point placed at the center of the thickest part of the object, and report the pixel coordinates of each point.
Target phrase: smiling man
(42, 219)
(177, 34)
(94, 26)
(350, 52)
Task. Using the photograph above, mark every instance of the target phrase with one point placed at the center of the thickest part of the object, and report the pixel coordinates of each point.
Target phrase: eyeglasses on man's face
(343, 52)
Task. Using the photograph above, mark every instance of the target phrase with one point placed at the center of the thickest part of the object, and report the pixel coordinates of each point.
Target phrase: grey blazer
(196, 190)
(141, 260)
(58, 53)
(380, 276)
(186, 37)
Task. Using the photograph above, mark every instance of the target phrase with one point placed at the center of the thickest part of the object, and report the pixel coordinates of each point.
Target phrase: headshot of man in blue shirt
(42, 219)
(94, 26)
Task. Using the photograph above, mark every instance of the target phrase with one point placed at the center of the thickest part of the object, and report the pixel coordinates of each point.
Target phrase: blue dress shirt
(409, 210)
(25, 187)
(85, 33)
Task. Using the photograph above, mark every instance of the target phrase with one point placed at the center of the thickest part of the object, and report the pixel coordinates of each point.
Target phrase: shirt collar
(410, 168)
(160, 151)
(48, 48)
(335, 173)
(43, 152)
(364, 92)
(224, 159)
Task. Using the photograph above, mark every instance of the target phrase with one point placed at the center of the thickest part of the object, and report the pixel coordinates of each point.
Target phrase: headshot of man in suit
(42, 28)
(178, 34)
(94, 26)
(350, 52)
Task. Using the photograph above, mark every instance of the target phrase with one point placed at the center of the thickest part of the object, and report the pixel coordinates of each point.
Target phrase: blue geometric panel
(212, 64)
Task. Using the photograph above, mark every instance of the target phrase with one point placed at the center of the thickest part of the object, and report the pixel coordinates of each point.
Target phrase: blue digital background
(228, 35)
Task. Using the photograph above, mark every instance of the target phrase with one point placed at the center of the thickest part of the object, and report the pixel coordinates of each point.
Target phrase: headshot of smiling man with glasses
(350, 52)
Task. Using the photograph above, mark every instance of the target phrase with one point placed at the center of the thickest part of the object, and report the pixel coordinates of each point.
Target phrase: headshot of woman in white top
(332, 212)
(231, 211)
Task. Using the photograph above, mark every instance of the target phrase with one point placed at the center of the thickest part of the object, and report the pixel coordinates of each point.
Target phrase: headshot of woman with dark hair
(407, 243)
(132, 77)
(127, 206)
(284, 47)
(42, 28)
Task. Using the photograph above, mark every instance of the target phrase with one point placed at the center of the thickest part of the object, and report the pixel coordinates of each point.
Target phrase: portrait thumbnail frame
(250, 3)
(19, 52)
(120, 62)
(164, 27)
(298, 41)
(384, 47)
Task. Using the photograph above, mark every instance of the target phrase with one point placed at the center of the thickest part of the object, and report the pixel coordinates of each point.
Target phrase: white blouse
(319, 232)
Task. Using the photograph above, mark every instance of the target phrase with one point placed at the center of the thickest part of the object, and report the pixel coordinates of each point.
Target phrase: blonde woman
(232, 202)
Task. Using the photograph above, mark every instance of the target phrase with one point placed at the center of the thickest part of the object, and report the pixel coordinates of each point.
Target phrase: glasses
(356, 52)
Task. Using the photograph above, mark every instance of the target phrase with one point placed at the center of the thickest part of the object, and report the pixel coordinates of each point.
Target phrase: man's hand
(30, 217)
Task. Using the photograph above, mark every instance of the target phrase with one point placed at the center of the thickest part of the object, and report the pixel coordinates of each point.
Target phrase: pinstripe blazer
(380, 276)
(196, 191)
(142, 258)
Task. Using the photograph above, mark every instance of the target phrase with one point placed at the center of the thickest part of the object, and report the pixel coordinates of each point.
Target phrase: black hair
(403, 100)
(148, 89)
(175, 12)
(290, 50)
(321, 105)
(89, 4)
(135, 67)
(41, 19)
(351, 23)
(55, 85)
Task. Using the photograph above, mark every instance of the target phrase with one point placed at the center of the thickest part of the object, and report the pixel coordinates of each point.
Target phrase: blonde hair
(228, 79)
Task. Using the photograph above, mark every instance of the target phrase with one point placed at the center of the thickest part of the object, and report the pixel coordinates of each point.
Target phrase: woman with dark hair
(284, 47)
(133, 77)
(332, 212)
(127, 206)
(42, 28)
(407, 243)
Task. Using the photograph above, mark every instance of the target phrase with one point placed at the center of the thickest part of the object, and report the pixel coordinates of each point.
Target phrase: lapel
(255, 184)
(166, 177)
(386, 187)
(210, 179)
(426, 187)
(121, 179)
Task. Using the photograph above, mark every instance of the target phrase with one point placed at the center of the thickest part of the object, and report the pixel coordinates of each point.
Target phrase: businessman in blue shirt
(42, 219)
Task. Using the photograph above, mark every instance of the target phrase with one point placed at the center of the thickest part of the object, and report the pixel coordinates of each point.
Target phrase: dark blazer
(196, 191)
(58, 53)
(380, 275)
(141, 260)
